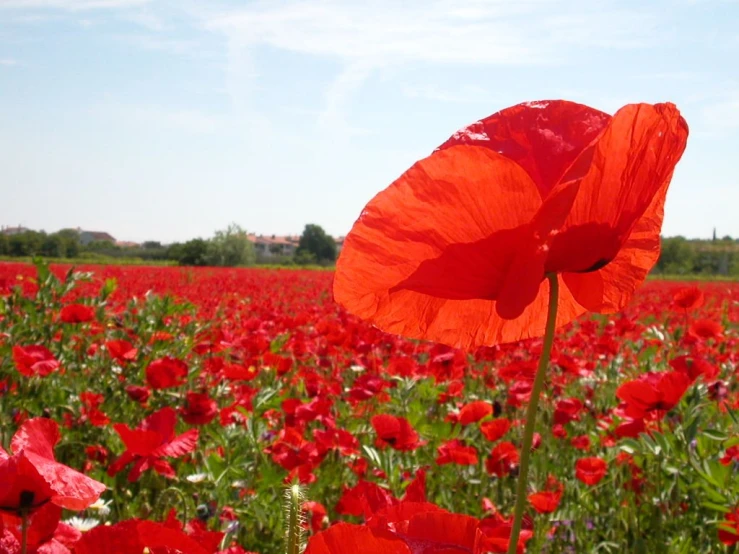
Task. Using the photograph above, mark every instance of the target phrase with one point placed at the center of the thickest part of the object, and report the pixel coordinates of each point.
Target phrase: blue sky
(166, 120)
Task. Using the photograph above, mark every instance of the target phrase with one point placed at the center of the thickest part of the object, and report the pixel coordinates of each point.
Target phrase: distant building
(86, 237)
(127, 244)
(269, 246)
(13, 230)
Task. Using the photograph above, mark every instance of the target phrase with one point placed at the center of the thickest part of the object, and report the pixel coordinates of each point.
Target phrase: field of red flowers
(170, 409)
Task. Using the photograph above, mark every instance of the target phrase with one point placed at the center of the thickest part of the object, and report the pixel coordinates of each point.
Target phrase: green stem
(24, 533)
(528, 433)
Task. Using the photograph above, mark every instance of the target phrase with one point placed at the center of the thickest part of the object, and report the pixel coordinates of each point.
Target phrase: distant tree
(193, 252)
(53, 246)
(315, 241)
(151, 245)
(677, 256)
(70, 239)
(25, 244)
(231, 247)
(3, 244)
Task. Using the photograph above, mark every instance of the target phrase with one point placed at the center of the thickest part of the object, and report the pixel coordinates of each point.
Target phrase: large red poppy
(457, 249)
(32, 478)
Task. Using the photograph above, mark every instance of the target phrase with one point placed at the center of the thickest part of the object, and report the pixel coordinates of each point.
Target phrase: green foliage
(230, 247)
(193, 252)
(315, 246)
(680, 256)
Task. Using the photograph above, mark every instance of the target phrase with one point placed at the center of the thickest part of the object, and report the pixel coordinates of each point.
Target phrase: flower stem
(528, 433)
(24, 533)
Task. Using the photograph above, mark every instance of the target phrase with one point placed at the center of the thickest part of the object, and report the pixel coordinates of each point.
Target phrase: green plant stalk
(528, 433)
(24, 533)
(294, 531)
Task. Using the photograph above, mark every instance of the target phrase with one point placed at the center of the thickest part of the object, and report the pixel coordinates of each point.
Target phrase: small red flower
(590, 470)
(166, 373)
(34, 360)
(503, 459)
(200, 409)
(455, 452)
(545, 502)
(77, 313)
(495, 429)
(395, 432)
(474, 412)
(121, 350)
(728, 532)
(706, 329)
(153, 440)
(688, 298)
(653, 392)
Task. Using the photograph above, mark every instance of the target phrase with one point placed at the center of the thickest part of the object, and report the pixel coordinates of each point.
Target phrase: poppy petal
(345, 538)
(631, 164)
(545, 138)
(425, 259)
(610, 288)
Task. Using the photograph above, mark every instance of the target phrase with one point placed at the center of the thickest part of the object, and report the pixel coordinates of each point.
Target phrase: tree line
(228, 247)
(232, 247)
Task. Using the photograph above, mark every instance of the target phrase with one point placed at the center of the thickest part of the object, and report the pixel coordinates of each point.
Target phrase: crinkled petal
(345, 538)
(545, 138)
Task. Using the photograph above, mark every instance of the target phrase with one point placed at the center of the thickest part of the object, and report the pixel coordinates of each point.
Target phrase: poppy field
(171, 408)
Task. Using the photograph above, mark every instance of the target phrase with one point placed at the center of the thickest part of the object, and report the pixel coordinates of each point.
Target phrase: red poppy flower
(590, 470)
(34, 360)
(200, 409)
(121, 350)
(688, 298)
(134, 536)
(153, 440)
(567, 410)
(495, 429)
(455, 452)
(503, 459)
(395, 431)
(408, 528)
(457, 249)
(31, 477)
(706, 329)
(694, 367)
(46, 534)
(731, 455)
(474, 412)
(166, 373)
(653, 392)
(545, 502)
(728, 532)
(77, 313)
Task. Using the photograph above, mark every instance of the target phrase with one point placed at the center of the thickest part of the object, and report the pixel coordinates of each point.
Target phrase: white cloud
(368, 36)
(8, 62)
(159, 118)
(71, 5)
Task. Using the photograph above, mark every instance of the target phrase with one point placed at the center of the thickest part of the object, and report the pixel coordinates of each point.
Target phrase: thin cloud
(8, 62)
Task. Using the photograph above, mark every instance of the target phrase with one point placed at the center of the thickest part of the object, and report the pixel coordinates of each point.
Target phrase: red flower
(200, 409)
(474, 412)
(138, 394)
(153, 440)
(503, 459)
(457, 249)
(728, 532)
(688, 298)
(77, 313)
(121, 350)
(653, 392)
(545, 502)
(567, 410)
(134, 536)
(395, 431)
(731, 454)
(455, 452)
(495, 429)
(706, 329)
(34, 360)
(590, 470)
(46, 533)
(31, 477)
(695, 367)
(166, 373)
(408, 528)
